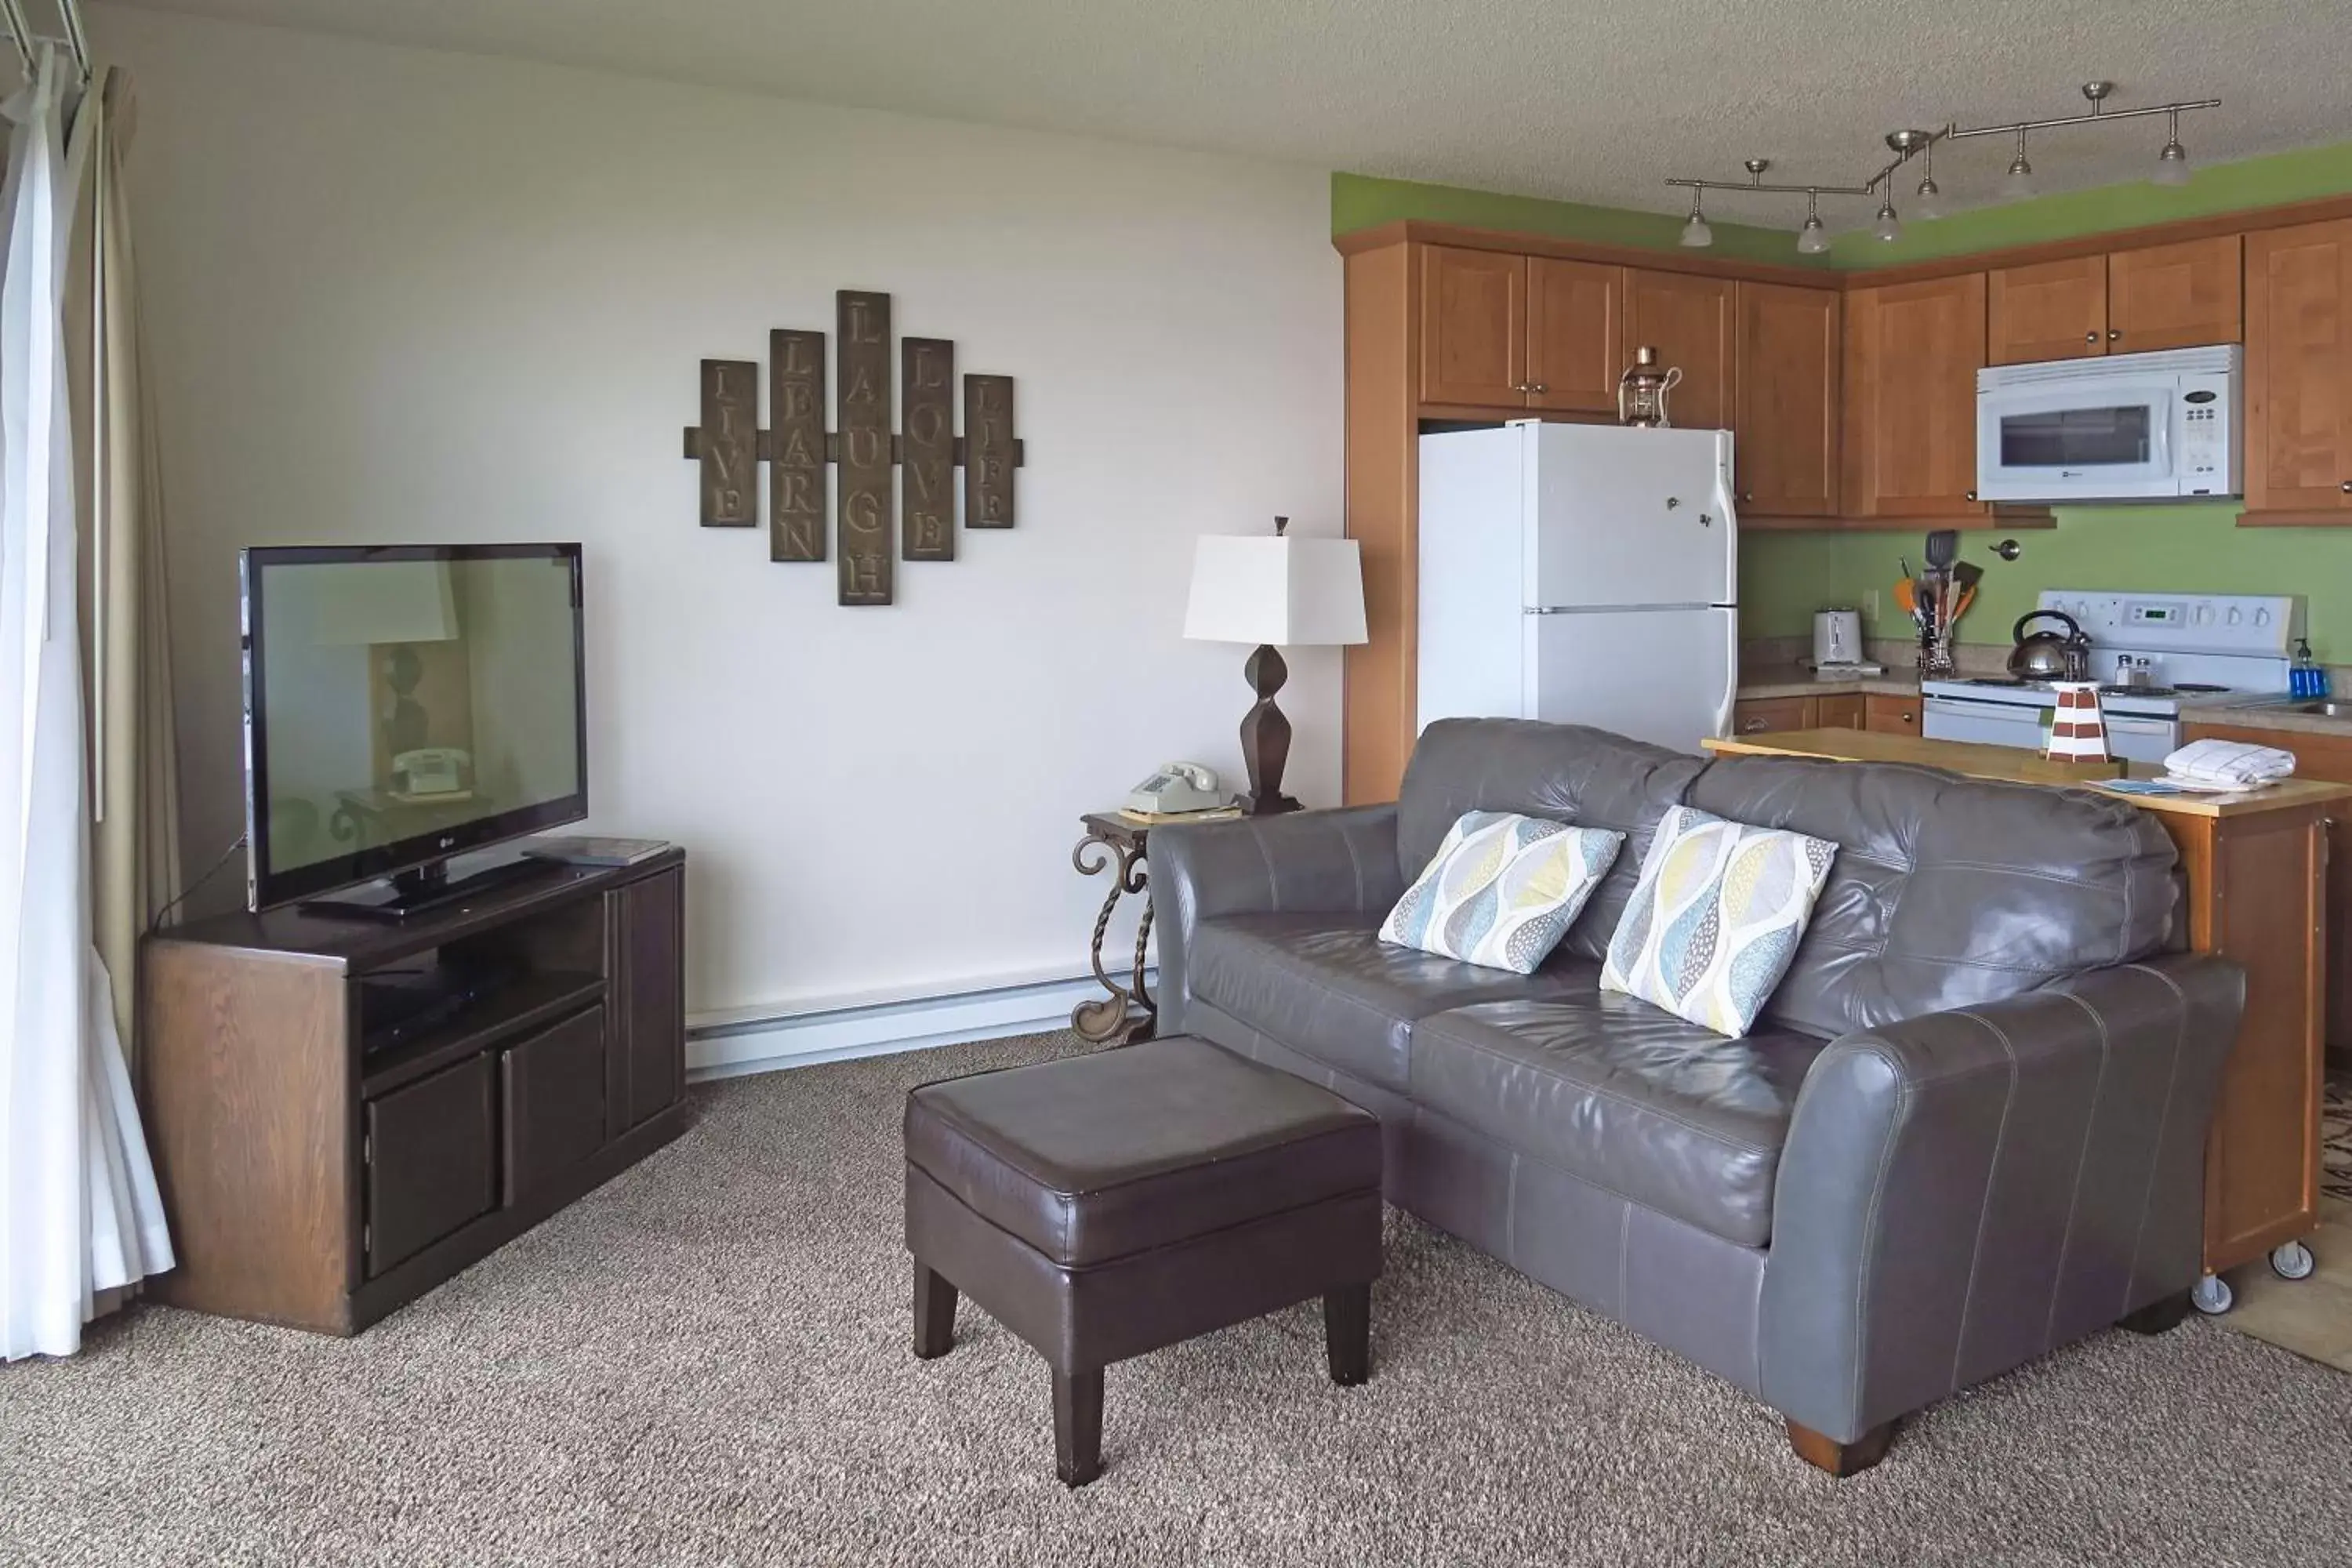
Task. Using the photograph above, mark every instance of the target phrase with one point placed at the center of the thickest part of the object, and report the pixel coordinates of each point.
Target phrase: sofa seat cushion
(1328, 988)
(1626, 1096)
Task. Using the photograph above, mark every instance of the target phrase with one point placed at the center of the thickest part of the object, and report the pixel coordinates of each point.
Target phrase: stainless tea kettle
(2047, 655)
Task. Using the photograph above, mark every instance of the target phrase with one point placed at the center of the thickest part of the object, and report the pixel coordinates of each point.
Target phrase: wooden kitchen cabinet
(1575, 335)
(1689, 319)
(1474, 327)
(1757, 715)
(1891, 715)
(2055, 310)
(1844, 710)
(2298, 445)
(2176, 296)
(1786, 369)
(1912, 353)
(2128, 301)
(2328, 757)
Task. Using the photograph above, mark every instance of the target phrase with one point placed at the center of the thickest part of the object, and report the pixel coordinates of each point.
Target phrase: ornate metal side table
(1128, 1014)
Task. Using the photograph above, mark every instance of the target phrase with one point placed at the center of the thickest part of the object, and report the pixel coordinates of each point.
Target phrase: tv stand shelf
(313, 1184)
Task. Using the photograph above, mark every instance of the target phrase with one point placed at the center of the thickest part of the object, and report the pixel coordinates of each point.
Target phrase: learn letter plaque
(896, 494)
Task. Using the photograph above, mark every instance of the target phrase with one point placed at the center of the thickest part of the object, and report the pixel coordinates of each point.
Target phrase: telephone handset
(1177, 787)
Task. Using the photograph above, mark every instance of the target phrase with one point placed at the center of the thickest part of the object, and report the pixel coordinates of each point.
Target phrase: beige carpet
(706, 1363)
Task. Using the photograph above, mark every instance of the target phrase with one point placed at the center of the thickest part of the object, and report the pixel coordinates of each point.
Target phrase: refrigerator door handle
(1730, 680)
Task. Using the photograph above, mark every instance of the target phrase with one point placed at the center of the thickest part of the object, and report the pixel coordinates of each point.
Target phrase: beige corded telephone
(1176, 787)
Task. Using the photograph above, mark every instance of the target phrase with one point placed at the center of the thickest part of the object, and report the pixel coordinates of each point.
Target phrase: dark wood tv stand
(313, 1183)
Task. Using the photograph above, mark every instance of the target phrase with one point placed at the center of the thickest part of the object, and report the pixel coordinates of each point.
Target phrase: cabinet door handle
(1746, 497)
(1972, 495)
(1538, 386)
(2115, 334)
(2090, 337)
(2345, 487)
(1751, 726)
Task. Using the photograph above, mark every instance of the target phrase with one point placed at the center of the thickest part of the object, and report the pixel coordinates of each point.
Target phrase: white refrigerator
(1580, 573)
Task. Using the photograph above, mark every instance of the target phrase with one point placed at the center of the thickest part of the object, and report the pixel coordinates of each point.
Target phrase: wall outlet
(1870, 606)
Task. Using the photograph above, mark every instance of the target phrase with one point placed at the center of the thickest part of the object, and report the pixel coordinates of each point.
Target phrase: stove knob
(2262, 617)
(2236, 614)
(2204, 614)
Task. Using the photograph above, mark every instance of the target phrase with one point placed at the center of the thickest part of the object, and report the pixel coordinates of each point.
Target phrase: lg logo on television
(449, 840)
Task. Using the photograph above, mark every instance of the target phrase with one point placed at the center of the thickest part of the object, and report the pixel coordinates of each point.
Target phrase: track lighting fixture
(1812, 239)
(2172, 160)
(1695, 233)
(2018, 182)
(1930, 203)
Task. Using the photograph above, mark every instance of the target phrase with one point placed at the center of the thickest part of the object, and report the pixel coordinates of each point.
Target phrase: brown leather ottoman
(1104, 1205)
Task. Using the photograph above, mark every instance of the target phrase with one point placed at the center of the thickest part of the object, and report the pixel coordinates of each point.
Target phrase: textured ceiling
(1564, 98)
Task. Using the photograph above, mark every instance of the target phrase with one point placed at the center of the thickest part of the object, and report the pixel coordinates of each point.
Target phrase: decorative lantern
(2078, 733)
(1642, 391)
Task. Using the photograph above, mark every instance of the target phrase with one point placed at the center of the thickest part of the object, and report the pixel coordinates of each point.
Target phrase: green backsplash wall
(1784, 577)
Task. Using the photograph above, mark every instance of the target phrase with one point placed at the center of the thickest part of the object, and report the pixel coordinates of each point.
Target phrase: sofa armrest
(1339, 861)
(1965, 1190)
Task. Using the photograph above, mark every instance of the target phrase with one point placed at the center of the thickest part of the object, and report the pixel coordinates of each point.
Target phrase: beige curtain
(126, 626)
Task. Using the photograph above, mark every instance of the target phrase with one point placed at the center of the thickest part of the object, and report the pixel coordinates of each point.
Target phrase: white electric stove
(2155, 655)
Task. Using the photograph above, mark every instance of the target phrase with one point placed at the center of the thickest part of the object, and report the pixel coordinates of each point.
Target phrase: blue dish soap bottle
(2304, 679)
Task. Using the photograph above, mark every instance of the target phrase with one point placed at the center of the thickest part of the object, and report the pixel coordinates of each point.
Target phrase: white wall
(395, 295)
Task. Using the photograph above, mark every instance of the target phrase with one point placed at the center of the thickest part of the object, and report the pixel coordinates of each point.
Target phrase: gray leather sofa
(1969, 1128)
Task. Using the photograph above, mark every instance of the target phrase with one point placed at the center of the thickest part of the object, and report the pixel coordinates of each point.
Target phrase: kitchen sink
(2331, 710)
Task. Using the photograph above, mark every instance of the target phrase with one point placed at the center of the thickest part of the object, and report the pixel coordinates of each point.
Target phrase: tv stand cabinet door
(429, 1162)
(645, 1056)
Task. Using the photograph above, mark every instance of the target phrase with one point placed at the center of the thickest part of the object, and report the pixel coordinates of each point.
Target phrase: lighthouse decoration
(2077, 731)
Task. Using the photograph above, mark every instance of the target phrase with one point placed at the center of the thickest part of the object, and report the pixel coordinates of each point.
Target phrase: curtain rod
(21, 34)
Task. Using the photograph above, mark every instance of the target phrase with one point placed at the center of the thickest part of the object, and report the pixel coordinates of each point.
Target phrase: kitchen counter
(2014, 765)
(1797, 681)
(2270, 714)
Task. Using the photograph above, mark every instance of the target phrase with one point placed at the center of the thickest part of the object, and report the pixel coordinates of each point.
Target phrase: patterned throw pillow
(1502, 889)
(1715, 917)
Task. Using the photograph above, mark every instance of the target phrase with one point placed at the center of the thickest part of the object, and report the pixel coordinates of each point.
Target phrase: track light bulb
(1812, 239)
(1888, 226)
(2020, 182)
(1930, 203)
(2172, 162)
(1695, 234)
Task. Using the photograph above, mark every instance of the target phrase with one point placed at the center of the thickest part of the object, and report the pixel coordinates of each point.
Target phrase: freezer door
(1663, 676)
(1619, 517)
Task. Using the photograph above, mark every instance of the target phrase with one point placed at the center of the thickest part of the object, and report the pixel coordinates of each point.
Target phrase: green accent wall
(1784, 577)
(1358, 201)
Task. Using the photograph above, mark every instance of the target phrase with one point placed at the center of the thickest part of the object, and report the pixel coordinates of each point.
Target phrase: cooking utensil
(1943, 548)
(2049, 655)
(1968, 574)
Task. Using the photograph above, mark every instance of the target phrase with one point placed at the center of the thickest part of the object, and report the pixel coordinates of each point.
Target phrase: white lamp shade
(1290, 593)
(383, 601)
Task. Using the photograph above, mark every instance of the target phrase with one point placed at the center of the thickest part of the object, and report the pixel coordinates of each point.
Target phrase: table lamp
(1276, 592)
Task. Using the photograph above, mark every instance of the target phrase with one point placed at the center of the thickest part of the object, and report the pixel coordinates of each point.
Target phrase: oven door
(2100, 438)
(1982, 723)
(2142, 740)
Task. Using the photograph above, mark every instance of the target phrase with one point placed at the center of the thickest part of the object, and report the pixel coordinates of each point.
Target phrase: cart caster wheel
(2212, 1296)
(2292, 1261)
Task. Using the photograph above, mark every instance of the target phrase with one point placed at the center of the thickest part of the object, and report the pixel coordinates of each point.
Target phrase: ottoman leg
(1347, 1333)
(935, 1305)
(1077, 1426)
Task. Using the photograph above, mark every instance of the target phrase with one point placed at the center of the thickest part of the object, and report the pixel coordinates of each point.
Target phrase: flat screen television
(403, 704)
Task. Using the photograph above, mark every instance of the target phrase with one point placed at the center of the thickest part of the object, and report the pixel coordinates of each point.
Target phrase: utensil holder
(1936, 658)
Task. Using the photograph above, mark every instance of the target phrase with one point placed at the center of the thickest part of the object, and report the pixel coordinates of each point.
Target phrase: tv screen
(404, 703)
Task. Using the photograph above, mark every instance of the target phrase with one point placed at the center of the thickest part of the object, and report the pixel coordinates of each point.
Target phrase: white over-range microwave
(2123, 427)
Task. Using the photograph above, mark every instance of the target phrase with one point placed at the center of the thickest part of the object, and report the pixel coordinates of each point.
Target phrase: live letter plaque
(883, 473)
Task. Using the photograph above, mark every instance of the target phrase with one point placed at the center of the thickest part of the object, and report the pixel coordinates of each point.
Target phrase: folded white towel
(2230, 762)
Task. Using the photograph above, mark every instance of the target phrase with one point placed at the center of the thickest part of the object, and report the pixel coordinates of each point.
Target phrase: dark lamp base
(1266, 737)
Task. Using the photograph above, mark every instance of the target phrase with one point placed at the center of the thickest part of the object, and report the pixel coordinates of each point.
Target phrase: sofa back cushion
(1564, 771)
(1948, 892)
